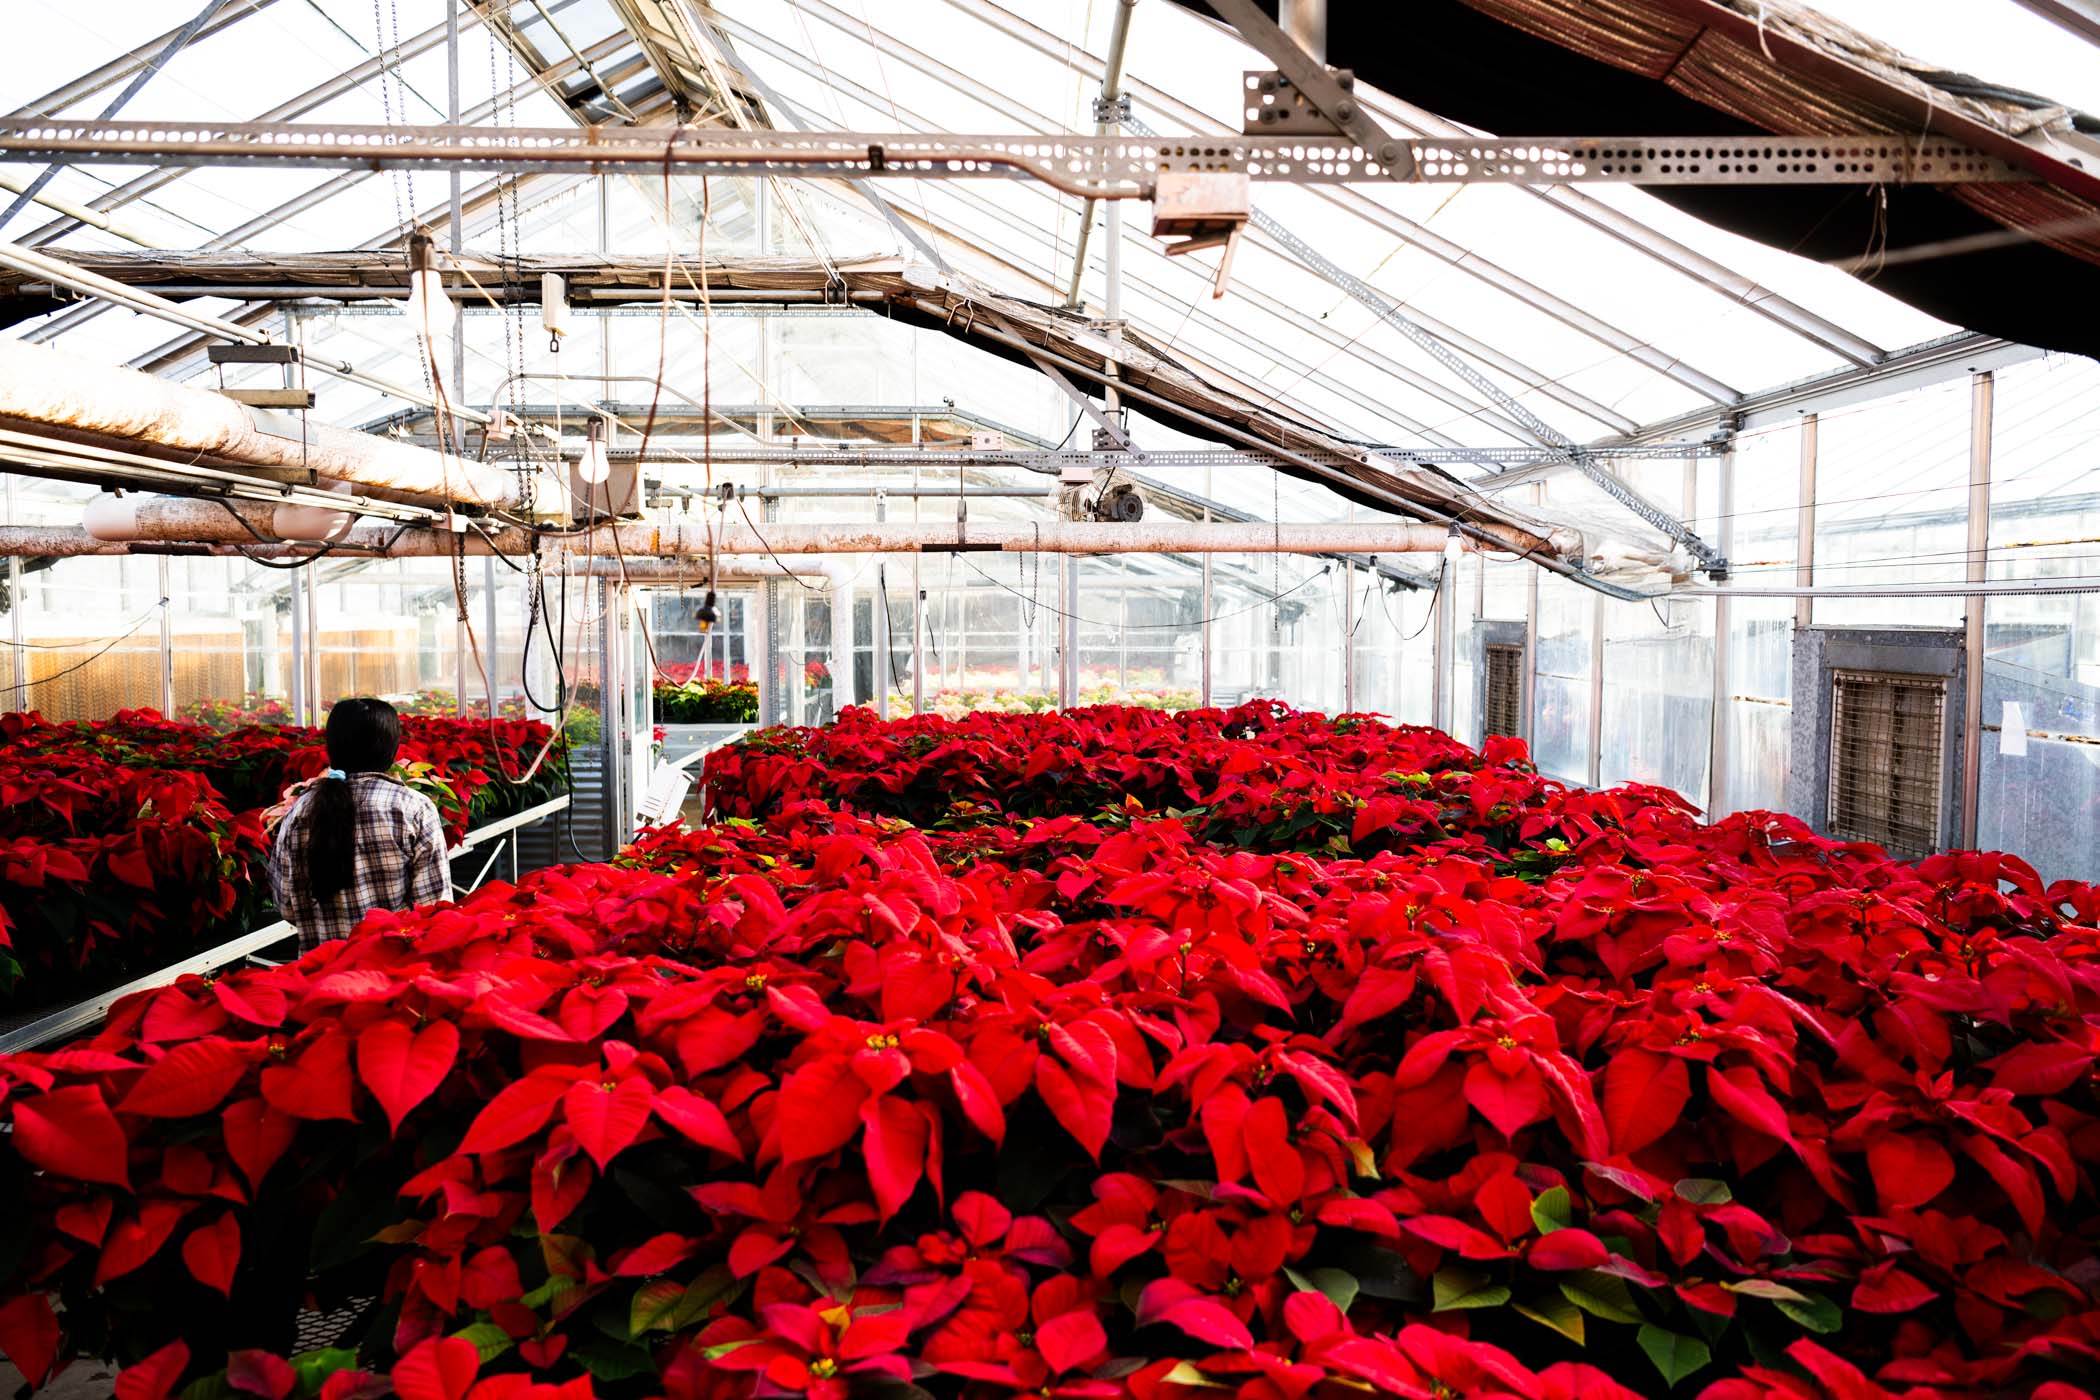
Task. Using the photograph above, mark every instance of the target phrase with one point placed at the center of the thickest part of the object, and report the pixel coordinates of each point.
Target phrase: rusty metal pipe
(51, 389)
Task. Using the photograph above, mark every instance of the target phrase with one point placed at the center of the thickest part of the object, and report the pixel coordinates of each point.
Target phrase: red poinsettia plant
(128, 843)
(1502, 1090)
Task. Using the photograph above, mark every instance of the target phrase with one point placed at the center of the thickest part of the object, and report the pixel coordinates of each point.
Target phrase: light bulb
(1452, 550)
(429, 309)
(595, 466)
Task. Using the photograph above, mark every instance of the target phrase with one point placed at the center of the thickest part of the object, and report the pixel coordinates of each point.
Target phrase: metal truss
(1092, 167)
(1561, 447)
(1052, 462)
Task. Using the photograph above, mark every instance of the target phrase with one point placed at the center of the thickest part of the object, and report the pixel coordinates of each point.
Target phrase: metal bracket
(1112, 111)
(1324, 90)
(1275, 107)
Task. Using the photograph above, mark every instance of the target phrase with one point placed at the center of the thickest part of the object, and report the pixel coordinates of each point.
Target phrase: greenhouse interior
(1086, 699)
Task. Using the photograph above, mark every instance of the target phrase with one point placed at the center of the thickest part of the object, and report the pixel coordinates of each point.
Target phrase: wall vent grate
(1888, 736)
(1503, 711)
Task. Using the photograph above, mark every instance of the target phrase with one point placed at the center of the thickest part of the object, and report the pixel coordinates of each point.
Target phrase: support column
(1440, 677)
(1208, 585)
(18, 698)
(298, 667)
(879, 630)
(491, 648)
(455, 217)
(1597, 690)
(1531, 635)
(1723, 707)
(167, 640)
(918, 588)
(1805, 526)
(1348, 637)
(1068, 661)
(1982, 402)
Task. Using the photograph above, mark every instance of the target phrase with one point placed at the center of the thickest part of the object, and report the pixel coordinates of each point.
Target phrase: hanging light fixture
(429, 309)
(595, 466)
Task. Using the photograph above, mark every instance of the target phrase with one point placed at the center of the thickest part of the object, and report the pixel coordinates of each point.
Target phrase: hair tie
(337, 773)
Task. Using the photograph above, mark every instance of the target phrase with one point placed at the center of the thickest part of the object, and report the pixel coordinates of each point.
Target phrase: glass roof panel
(1547, 306)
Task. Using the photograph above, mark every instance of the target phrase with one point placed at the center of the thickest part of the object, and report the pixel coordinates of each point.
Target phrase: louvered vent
(1887, 755)
(1504, 711)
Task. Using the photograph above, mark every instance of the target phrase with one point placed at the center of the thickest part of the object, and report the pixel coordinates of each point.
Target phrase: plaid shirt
(400, 860)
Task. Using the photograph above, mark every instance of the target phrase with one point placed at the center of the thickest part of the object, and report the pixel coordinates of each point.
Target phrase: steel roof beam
(998, 102)
(347, 81)
(124, 65)
(1370, 210)
(1679, 257)
(1098, 167)
(1471, 408)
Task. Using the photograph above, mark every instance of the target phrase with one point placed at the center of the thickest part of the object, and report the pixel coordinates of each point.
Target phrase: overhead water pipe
(185, 521)
(108, 404)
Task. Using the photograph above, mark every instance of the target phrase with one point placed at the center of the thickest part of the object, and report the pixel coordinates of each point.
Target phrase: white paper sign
(667, 789)
(2012, 730)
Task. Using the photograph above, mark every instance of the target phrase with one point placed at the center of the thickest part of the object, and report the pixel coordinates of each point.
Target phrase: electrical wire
(99, 653)
(1053, 609)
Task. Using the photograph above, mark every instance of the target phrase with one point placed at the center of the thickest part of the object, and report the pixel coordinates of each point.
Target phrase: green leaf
(1704, 1191)
(1338, 1284)
(554, 1290)
(488, 1339)
(652, 1305)
(1766, 1288)
(1462, 1288)
(314, 1367)
(1185, 1374)
(670, 1307)
(1601, 1295)
(1551, 1210)
(211, 1387)
(724, 1348)
(1815, 1312)
(1558, 1313)
(1674, 1354)
(609, 1361)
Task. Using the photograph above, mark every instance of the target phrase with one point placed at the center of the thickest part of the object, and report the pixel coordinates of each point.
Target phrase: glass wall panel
(1141, 631)
(1276, 630)
(1759, 707)
(1395, 648)
(2042, 652)
(1892, 480)
(90, 636)
(1658, 694)
(231, 635)
(390, 627)
(1560, 713)
(1464, 583)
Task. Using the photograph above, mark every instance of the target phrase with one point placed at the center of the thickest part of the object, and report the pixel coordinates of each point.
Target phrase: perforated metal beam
(1052, 462)
(1097, 167)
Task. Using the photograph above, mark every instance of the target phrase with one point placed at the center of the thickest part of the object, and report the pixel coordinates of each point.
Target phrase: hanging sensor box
(554, 307)
(617, 497)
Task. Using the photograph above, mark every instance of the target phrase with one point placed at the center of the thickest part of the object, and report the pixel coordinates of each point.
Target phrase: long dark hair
(362, 735)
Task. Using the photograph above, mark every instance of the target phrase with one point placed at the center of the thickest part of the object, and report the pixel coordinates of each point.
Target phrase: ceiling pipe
(104, 403)
(1111, 92)
(94, 284)
(181, 521)
(128, 518)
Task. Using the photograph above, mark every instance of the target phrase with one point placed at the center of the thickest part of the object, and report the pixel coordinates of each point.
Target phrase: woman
(359, 840)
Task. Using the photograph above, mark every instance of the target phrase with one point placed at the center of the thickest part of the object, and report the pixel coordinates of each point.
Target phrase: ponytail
(362, 737)
(331, 836)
